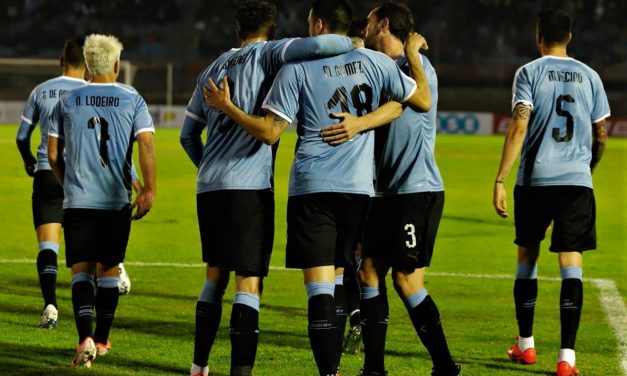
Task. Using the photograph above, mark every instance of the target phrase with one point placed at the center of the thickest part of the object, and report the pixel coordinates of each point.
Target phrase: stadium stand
(475, 45)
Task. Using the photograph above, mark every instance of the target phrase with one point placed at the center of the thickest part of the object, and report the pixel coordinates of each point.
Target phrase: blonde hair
(101, 53)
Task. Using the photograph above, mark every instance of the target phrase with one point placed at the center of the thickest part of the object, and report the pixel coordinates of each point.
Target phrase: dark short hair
(337, 14)
(357, 26)
(255, 16)
(73, 52)
(554, 25)
(400, 17)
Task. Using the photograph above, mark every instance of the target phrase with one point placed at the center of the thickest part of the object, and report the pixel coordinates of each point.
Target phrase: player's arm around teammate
(267, 129)
(351, 125)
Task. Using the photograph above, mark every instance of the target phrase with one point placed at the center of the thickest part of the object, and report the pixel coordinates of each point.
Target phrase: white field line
(614, 308)
(610, 299)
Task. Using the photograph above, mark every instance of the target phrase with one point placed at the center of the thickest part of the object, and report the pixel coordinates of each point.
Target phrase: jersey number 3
(570, 124)
(411, 232)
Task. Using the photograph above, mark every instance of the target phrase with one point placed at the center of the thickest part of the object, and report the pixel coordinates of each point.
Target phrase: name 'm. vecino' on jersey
(310, 91)
(99, 122)
(413, 134)
(38, 109)
(231, 158)
(566, 97)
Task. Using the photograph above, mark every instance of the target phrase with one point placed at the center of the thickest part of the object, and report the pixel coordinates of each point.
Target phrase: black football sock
(340, 316)
(208, 317)
(571, 301)
(83, 298)
(244, 333)
(107, 297)
(525, 294)
(426, 319)
(47, 269)
(323, 335)
(374, 325)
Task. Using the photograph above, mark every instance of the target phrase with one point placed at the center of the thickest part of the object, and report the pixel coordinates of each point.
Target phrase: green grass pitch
(154, 326)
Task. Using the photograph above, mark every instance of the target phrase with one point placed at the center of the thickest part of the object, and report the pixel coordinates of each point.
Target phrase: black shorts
(93, 235)
(401, 229)
(570, 208)
(323, 229)
(47, 200)
(237, 229)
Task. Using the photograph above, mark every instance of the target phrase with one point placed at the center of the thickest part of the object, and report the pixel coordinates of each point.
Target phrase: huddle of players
(331, 190)
(331, 182)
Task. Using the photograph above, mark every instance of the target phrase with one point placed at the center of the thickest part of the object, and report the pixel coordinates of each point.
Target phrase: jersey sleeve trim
(193, 116)
(272, 109)
(528, 103)
(27, 120)
(284, 49)
(55, 135)
(149, 129)
(601, 118)
(413, 90)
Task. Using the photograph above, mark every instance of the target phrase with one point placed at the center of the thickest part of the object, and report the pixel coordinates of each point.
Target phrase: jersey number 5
(570, 124)
(102, 138)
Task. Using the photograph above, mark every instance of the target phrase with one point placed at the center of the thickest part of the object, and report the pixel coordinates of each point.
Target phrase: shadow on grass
(20, 359)
(294, 313)
(494, 222)
(502, 364)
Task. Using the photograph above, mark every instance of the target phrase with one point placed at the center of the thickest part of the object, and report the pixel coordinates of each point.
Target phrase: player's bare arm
(421, 99)
(55, 157)
(148, 165)
(137, 186)
(357, 42)
(23, 145)
(351, 125)
(511, 149)
(599, 133)
(267, 129)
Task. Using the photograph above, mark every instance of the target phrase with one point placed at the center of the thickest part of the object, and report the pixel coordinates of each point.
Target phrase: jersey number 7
(102, 138)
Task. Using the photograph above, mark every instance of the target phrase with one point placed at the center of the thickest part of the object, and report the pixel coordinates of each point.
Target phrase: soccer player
(47, 197)
(558, 119)
(235, 201)
(47, 193)
(329, 186)
(403, 219)
(97, 125)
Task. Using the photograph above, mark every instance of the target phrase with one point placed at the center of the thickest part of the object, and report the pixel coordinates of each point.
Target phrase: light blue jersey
(407, 162)
(99, 123)
(231, 158)
(38, 108)
(567, 97)
(310, 91)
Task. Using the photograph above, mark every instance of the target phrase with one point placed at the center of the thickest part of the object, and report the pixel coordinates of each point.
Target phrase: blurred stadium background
(475, 45)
